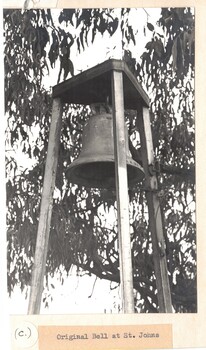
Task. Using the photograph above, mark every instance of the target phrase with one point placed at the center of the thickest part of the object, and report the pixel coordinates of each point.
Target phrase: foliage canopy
(38, 42)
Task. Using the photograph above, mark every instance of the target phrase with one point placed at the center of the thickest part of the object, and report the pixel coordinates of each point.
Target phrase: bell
(95, 166)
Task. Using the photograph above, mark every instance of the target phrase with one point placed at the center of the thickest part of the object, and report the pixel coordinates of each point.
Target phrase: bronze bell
(95, 166)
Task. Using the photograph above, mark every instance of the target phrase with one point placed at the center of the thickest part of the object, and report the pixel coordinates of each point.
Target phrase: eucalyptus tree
(40, 43)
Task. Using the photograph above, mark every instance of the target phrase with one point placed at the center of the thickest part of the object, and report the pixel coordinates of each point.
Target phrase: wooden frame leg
(155, 219)
(45, 210)
(126, 273)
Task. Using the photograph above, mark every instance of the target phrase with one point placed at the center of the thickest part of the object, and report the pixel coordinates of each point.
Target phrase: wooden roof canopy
(94, 85)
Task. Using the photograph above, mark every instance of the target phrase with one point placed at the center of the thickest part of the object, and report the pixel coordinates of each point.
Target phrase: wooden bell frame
(114, 79)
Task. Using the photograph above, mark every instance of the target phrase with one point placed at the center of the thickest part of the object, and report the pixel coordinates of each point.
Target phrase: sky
(77, 295)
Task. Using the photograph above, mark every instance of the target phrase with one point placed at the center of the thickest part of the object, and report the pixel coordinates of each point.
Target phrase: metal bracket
(161, 249)
(154, 168)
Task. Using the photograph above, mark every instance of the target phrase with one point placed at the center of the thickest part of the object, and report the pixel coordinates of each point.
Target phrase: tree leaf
(150, 26)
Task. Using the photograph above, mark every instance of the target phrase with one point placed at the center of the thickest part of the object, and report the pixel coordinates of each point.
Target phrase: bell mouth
(100, 173)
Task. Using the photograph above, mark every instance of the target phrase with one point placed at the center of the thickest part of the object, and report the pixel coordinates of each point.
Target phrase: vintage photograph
(100, 160)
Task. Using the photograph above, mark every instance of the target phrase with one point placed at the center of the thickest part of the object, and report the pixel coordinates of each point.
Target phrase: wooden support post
(45, 210)
(126, 273)
(155, 220)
